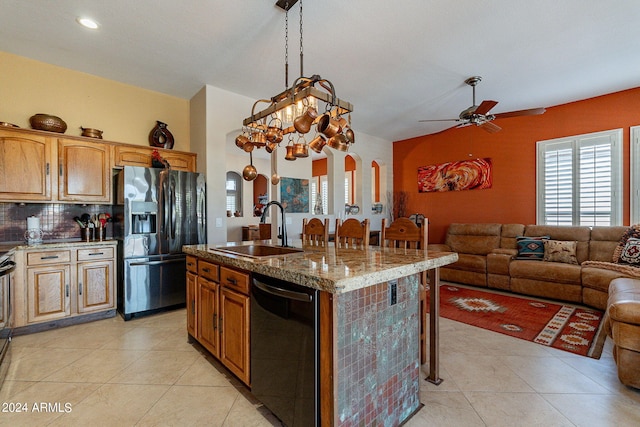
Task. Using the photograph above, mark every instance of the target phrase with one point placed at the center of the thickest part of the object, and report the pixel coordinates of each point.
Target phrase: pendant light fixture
(310, 104)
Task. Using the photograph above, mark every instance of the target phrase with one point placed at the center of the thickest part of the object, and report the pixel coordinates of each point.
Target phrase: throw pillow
(632, 232)
(560, 251)
(631, 252)
(531, 248)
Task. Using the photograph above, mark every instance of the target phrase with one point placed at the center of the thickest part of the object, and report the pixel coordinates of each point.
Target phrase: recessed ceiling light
(88, 23)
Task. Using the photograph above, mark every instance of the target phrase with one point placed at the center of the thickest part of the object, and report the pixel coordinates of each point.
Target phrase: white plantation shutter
(579, 180)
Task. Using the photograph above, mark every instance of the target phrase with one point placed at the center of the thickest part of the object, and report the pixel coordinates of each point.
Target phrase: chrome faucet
(283, 236)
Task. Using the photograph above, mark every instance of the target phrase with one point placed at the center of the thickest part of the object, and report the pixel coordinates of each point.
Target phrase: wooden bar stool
(315, 232)
(352, 233)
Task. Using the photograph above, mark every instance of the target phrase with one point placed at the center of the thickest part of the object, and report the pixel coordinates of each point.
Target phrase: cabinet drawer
(101, 252)
(192, 264)
(48, 257)
(208, 270)
(234, 280)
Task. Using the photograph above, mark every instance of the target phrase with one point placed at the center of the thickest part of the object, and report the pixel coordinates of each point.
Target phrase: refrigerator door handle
(169, 261)
(172, 206)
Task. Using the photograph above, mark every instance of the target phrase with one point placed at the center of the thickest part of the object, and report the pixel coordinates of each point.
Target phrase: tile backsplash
(56, 220)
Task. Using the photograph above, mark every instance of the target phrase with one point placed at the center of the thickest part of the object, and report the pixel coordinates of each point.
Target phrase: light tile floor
(144, 373)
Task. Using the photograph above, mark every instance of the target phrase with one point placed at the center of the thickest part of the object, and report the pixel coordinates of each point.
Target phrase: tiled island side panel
(378, 363)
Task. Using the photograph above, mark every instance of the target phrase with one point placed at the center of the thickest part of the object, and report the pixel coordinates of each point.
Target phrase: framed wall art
(294, 195)
(473, 174)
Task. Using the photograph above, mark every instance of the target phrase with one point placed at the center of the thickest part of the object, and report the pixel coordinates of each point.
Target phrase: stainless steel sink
(258, 251)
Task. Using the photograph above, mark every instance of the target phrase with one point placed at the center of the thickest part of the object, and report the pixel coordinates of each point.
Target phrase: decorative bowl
(48, 122)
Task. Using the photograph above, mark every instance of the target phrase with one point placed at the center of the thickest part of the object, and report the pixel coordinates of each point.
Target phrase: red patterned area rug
(566, 327)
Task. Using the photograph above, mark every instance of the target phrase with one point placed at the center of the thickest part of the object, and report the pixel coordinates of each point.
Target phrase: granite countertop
(52, 244)
(330, 269)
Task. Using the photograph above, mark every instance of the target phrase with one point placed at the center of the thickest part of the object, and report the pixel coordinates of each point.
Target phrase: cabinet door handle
(96, 253)
(49, 257)
(47, 168)
(60, 169)
(67, 289)
(232, 281)
(206, 270)
(80, 288)
(215, 321)
(220, 324)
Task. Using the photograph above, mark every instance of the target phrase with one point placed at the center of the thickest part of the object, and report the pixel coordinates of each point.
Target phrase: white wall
(216, 118)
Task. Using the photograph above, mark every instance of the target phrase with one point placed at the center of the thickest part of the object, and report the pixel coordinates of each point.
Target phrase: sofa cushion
(560, 251)
(531, 247)
(468, 262)
(476, 239)
(546, 271)
(631, 252)
(604, 241)
(557, 232)
(632, 232)
(508, 235)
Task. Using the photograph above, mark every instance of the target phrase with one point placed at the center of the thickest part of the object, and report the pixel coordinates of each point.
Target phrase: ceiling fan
(477, 114)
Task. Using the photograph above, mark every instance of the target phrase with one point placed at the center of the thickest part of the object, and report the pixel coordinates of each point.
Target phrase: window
(323, 193)
(234, 194)
(579, 180)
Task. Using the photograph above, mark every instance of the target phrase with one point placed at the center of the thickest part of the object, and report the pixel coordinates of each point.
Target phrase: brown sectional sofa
(487, 257)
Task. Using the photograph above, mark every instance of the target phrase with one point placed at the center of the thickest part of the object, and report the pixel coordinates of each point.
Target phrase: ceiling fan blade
(530, 112)
(485, 106)
(490, 127)
(441, 120)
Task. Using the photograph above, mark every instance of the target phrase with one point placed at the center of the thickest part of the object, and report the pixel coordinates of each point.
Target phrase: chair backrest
(404, 233)
(315, 232)
(352, 233)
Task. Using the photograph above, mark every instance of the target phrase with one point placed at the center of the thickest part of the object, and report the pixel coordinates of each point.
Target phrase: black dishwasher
(284, 350)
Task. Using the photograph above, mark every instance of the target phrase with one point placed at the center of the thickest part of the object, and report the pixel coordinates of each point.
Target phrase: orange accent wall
(319, 167)
(376, 177)
(512, 198)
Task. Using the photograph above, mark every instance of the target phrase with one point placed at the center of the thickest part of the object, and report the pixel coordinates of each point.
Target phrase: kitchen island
(368, 323)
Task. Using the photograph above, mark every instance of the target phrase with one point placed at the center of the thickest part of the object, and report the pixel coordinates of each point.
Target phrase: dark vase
(160, 136)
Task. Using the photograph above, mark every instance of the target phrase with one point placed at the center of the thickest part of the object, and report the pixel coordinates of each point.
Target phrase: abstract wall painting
(473, 174)
(294, 195)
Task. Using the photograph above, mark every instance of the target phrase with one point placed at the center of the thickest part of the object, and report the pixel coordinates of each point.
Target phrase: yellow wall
(123, 112)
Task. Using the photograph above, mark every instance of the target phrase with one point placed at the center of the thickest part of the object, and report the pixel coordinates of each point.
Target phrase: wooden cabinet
(208, 333)
(234, 332)
(84, 171)
(222, 314)
(192, 298)
(125, 155)
(25, 167)
(38, 166)
(48, 285)
(61, 283)
(96, 279)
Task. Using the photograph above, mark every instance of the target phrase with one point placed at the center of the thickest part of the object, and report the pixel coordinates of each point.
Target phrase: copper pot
(303, 123)
(318, 143)
(289, 155)
(328, 126)
(300, 150)
(249, 173)
(259, 139)
(91, 133)
(338, 142)
(271, 147)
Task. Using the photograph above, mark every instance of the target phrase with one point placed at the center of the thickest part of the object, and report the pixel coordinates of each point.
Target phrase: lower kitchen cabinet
(48, 293)
(221, 315)
(62, 283)
(234, 332)
(208, 334)
(96, 281)
(192, 288)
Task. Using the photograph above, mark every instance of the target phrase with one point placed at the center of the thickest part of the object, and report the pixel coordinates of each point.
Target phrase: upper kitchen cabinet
(25, 167)
(126, 155)
(84, 171)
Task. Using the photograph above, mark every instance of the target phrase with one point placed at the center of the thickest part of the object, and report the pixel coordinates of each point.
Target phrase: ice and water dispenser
(143, 217)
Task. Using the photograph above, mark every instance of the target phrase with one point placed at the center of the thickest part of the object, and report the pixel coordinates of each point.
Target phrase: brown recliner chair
(623, 311)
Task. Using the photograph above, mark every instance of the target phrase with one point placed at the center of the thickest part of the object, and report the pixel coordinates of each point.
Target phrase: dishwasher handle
(284, 293)
(167, 261)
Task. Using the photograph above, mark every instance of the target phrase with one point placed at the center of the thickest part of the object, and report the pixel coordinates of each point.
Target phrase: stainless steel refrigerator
(157, 211)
